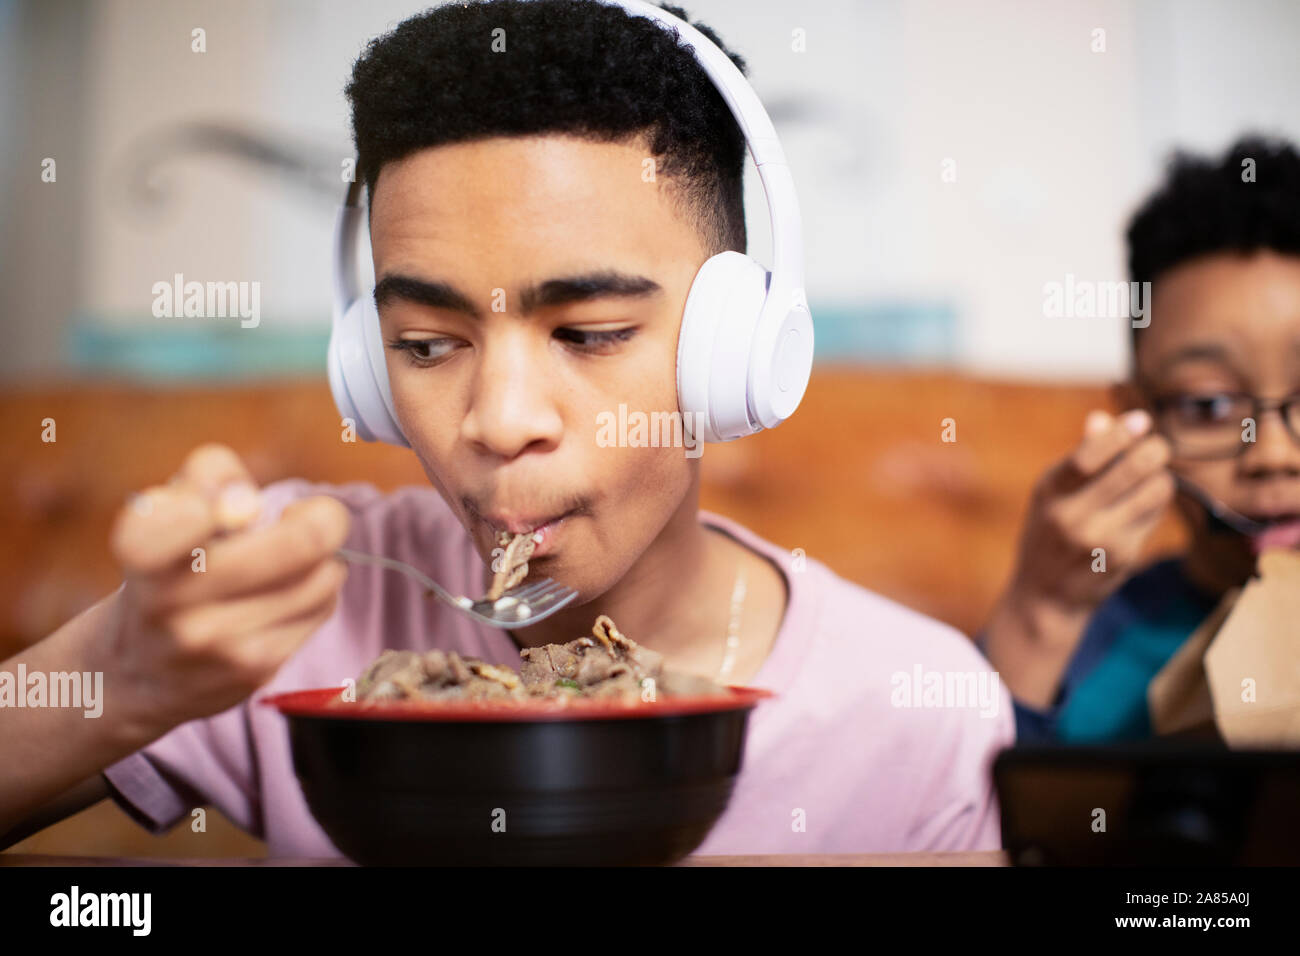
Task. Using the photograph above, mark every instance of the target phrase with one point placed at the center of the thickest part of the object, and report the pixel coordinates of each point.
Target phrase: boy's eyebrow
(606, 283)
(1197, 350)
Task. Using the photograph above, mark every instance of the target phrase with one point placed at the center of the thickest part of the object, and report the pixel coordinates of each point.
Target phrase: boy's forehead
(1246, 307)
(535, 190)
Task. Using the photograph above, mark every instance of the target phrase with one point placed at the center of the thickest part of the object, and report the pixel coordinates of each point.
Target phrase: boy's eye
(594, 341)
(1211, 409)
(424, 351)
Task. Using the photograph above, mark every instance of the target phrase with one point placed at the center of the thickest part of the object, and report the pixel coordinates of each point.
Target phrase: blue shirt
(1103, 693)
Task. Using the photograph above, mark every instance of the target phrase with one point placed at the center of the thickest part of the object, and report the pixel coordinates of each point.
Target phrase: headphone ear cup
(357, 389)
(339, 347)
(782, 359)
(382, 419)
(713, 349)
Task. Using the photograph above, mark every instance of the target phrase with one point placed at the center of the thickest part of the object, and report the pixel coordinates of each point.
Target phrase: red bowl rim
(321, 702)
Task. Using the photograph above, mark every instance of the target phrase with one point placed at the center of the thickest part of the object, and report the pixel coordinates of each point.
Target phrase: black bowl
(586, 782)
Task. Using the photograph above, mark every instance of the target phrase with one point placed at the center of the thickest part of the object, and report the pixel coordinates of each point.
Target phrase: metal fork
(1227, 516)
(526, 604)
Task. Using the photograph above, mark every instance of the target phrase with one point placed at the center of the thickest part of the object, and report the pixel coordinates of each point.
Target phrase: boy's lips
(543, 529)
(1283, 531)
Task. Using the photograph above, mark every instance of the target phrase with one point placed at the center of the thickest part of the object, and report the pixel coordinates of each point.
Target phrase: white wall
(1053, 145)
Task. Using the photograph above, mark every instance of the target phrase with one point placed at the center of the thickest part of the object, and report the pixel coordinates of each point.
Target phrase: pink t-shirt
(836, 763)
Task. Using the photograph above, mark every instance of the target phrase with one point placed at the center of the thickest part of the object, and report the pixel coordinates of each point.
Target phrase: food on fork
(513, 567)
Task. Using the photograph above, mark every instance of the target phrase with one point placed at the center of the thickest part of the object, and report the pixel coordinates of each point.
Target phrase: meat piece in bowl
(436, 675)
(608, 664)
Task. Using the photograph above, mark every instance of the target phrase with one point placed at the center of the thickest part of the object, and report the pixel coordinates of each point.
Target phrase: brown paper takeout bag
(1179, 696)
(1239, 672)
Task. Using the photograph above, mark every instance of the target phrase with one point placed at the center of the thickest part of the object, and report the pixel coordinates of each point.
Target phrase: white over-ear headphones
(745, 349)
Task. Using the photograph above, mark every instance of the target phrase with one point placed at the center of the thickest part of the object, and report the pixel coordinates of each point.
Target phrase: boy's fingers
(208, 624)
(159, 527)
(210, 467)
(1096, 422)
(277, 638)
(1142, 506)
(219, 475)
(314, 528)
(277, 643)
(1101, 445)
(260, 559)
(1150, 456)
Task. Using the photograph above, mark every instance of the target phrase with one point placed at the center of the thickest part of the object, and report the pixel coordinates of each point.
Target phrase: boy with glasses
(1212, 423)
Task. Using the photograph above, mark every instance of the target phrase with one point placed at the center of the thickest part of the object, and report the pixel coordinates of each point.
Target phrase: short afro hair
(1207, 205)
(575, 67)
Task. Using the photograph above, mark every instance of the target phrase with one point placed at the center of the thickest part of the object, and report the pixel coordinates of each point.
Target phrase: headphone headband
(760, 135)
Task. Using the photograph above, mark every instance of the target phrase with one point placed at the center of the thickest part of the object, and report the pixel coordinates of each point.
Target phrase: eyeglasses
(1211, 424)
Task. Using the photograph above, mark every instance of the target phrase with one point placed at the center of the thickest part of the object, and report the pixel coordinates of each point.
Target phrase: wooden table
(984, 858)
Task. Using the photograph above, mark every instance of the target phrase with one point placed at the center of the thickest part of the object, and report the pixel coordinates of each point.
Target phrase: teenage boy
(519, 174)
(1214, 397)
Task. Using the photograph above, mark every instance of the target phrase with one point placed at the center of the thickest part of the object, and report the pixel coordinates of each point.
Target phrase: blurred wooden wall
(859, 479)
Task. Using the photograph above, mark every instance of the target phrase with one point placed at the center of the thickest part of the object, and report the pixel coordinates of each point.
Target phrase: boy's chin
(1221, 566)
(587, 581)
(1225, 546)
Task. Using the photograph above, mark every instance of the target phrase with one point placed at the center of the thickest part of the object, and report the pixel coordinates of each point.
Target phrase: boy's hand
(1109, 493)
(189, 642)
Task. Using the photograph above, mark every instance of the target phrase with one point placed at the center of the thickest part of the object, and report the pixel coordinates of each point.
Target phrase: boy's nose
(1274, 448)
(511, 408)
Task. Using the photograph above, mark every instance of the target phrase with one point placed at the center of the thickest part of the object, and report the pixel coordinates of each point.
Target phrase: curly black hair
(1207, 205)
(575, 67)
